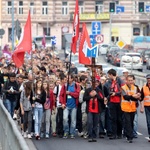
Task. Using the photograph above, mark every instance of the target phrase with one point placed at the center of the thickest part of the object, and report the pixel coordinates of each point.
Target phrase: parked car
(132, 61)
(103, 49)
(110, 51)
(117, 56)
(148, 64)
(145, 55)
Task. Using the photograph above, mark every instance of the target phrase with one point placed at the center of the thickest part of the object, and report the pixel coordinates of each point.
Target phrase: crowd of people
(50, 101)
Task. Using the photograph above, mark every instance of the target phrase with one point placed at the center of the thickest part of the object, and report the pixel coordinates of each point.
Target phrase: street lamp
(12, 15)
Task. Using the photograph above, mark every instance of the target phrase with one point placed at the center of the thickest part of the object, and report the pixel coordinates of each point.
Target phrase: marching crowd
(50, 101)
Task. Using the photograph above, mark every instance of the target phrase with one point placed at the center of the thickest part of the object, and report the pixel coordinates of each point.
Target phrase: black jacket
(87, 98)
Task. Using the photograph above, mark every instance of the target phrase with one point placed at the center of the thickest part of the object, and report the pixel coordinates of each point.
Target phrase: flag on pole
(24, 45)
(44, 40)
(76, 23)
(84, 45)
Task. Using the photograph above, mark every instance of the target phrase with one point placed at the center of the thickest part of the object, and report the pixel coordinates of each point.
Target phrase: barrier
(10, 137)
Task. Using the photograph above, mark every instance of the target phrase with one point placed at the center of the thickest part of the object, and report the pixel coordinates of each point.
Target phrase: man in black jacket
(93, 98)
(11, 91)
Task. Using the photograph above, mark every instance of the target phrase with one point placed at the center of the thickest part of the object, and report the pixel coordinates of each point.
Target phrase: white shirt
(55, 92)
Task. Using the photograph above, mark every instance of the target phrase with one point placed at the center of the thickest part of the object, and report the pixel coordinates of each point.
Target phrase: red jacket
(52, 99)
(75, 94)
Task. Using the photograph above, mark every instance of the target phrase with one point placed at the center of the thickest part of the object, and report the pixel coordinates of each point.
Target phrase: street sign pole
(12, 15)
(110, 27)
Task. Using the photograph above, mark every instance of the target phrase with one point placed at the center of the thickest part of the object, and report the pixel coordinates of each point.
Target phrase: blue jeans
(72, 112)
(147, 113)
(102, 122)
(93, 119)
(10, 106)
(135, 127)
(38, 113)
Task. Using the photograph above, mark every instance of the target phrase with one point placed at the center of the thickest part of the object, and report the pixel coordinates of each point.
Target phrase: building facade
(55, 18)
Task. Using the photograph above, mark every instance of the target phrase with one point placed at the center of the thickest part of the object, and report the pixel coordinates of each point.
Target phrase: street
(55, 143)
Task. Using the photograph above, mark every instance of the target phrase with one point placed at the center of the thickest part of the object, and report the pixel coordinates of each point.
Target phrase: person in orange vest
(128, 106)
(145, 97)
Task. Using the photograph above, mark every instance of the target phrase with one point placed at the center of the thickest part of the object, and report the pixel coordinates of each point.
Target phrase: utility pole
(12, 15)
(110, 27)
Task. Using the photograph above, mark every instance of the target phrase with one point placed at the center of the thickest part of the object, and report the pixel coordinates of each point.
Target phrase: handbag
(47, 104)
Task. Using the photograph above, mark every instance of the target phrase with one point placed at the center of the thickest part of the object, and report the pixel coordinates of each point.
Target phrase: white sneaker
(22, 132)
(25, 135)
(15, 116)
(29, 136)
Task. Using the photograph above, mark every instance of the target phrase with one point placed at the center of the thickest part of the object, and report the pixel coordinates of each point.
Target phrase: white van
(132, 61)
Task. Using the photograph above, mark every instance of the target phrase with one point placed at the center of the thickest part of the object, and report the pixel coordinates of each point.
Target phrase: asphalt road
(55, 143)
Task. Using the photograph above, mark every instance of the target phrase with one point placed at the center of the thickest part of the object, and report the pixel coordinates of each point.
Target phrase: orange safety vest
(146, 92)
(128, 106)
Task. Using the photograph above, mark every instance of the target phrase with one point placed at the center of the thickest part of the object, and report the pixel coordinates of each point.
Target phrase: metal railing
(10, 137)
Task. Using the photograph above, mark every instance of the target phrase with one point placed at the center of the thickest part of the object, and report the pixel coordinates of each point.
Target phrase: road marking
(139, 133)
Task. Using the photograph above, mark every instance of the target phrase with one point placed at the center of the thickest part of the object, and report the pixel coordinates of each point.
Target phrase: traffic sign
(121, 44)
(96, 27)
(92, 39)
(2, 31)
(99, 38)
(92, 52)
(147, 8)
(120, 9)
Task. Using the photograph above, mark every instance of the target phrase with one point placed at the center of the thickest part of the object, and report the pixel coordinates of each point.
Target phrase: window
(136, 31)
(9, 7)
(20, 7)
(32, 7)
(81, 7)
(9, 34)
(64, 8)
(46, 31)
(99, 7)
(44, 8)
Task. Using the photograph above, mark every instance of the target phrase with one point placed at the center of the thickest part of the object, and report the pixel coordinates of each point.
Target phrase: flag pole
(69, 68)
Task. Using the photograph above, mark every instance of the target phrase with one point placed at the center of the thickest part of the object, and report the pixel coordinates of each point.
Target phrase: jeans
(45, 127)
(53, 120)
(84, 123)
(129, 119)
(135, 128)
(147, 113)
(93, 119)
(102, 122)
(38, 113)
(27, 121)
(116, 118)
(72, 112)
(10, 106)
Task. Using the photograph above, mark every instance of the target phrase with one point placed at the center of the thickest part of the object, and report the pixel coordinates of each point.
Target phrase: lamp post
(12, 15)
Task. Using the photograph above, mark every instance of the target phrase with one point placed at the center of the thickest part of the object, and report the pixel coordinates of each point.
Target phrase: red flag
(76, 23)
(25, 44)
(84, 43)
(44, 40)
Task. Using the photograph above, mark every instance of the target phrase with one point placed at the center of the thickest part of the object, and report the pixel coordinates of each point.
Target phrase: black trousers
(59, 121)
(79, 118)
(115, 118)
(128, 124)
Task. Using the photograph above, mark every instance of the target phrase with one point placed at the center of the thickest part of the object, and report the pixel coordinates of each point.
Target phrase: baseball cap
(148, 76)
(125, 70)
